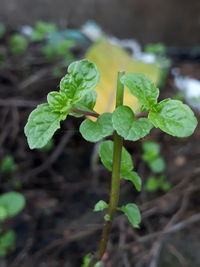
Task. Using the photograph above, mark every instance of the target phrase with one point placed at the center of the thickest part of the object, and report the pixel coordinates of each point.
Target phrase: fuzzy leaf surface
(142, 88)
(127, 126)
(106, 155)
(42, 124)
(95, 131)
(132, 212)
(173, 117)
(82, 77)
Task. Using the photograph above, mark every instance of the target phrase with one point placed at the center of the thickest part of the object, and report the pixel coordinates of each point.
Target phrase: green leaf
(87, 259)
(100, 205)
(152, 184)
(134, 178)
(41, 30)
(42, 124)
(58, 101)
(141, 87)
(157, 165)
(127, 126)
(18, 44)
(87, 103)
(173, 117)
(106, 155)
(7, 242)
(8, 164)
(3, 213)
(13, 202)
(82, 77)
(151, 150)
(95, 131)
(133, 213)
(166, 186)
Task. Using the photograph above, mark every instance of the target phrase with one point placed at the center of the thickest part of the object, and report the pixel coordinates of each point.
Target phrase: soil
(57, 227)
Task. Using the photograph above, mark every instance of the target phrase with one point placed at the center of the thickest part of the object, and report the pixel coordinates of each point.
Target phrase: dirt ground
(57, 227)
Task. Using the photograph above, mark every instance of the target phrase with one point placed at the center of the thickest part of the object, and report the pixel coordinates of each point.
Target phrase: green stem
(115, 184)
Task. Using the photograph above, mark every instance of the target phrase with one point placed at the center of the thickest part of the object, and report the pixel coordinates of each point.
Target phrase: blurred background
(47, 195)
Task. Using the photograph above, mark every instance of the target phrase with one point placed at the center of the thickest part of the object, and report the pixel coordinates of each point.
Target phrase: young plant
(10, 205)
(151, 155)
(41, 30)
(59, 50)
(76, 97)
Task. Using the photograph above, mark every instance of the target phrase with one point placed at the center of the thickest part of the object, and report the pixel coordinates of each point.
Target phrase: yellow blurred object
(110, 59)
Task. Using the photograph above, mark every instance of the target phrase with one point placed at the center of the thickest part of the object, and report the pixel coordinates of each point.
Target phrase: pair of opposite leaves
(171, 116)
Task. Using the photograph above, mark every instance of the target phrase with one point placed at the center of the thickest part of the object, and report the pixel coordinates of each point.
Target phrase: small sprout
(151, 155)
(8, 165)
(155, 183)
(10, 205)
(100, 206)
(76, 97)
(42, 29)
(18, 44)
(61, 49)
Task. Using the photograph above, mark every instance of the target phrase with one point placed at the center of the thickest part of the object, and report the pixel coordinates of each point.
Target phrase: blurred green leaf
(7, 242)
(13, 202)
(133, 214)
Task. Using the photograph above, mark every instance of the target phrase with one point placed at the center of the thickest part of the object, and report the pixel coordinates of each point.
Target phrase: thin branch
(86, 113)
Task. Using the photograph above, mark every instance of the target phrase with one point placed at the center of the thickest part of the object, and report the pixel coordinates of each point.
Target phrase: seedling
(18, 44)
(10, 205)
(77, 97)
(151, 155)
(60, 50)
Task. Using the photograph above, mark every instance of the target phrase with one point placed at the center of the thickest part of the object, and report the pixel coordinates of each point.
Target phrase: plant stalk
(115, 183)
